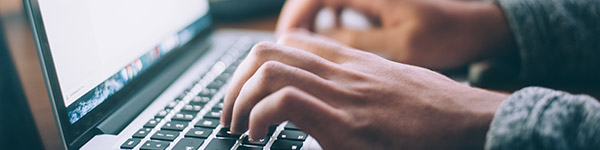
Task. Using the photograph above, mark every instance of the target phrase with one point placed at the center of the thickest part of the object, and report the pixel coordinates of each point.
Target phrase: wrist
(482, 105)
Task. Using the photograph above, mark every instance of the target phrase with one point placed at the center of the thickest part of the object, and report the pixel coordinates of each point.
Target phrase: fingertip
(256, 135)
(224, 123)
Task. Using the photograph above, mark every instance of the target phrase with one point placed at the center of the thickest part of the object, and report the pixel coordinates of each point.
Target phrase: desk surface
(23, 50)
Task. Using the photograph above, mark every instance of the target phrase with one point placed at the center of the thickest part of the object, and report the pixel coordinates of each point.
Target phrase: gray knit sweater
(558, 40)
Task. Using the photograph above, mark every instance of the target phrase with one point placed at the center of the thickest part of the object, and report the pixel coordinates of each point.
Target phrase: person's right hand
(436, 34)
(350, 99)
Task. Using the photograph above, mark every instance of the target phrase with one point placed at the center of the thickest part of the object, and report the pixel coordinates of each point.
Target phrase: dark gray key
(215, 114)
(209, 93)
(175, 125)
(216, 84)
(286, 145)
(220, 144)
(218, 106)
(200, 101)
(261, 142)
(272, 129)
(180, 97)
(225, 133)
(199, 133)
(165, 135)
(247, 147)
(290, 126)
(171, 105)
(191, 108)
(207, 123)
(161, 114)
(183, 116)
(142, 133)
(188, 144)
(152, 123)
(292, 135)
(130, 143)
(224, 76)
(154, 145)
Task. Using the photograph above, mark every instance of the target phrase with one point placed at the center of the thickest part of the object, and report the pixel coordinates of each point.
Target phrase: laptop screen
(98, 47)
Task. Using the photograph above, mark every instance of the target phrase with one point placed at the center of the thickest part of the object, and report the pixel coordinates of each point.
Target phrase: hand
(351, 99)
(437, 34)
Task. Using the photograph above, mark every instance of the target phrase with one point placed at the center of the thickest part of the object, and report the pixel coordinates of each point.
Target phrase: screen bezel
(70, 132)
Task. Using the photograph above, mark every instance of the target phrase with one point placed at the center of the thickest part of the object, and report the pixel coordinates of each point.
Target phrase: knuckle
(287, 97)
(263, 49)
(270, 70)
(288, 38)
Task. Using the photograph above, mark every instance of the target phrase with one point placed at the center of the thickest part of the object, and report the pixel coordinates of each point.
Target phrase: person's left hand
(351, 99)
(435, 34)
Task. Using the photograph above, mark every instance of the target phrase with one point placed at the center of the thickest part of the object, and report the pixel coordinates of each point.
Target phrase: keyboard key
(261, 142)
(217, 107)
(183, 116)
(225, 75)
(191, 108)
(152, 123)
(224, 132)
(199, 133)
(286, 145)
(188, 144)
(180, 97)
(200, 101)
(215, 114)
(247, 147)
(272, 129)
(209, 93)
(155, 145)
(175, 125)
(291, 126)
(165, 135)
(171, 105)
(292, 135)
(216, 84)
(220, 144)
(142, 133)
(130, 143)
(161, 114)
(207, 123)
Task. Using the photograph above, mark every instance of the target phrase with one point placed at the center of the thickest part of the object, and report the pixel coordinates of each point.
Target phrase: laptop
(17, 128)
(143, 74)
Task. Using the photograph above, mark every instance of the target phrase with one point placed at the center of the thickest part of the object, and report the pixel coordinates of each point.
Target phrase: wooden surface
(24, 53)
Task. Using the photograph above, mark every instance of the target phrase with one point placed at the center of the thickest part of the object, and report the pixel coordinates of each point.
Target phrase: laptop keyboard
(191, 121)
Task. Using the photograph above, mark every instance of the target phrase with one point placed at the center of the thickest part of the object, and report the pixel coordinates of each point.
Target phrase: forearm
(538, 118)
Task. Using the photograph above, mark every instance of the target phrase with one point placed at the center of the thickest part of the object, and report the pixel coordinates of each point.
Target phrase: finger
(264, 52)
(298, 14)
(304, 110)
(302, 13)
(374, 40)
(322, 46)
(270, 77)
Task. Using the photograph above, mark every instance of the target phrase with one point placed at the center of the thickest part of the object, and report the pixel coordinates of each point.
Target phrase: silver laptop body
(143, 74)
